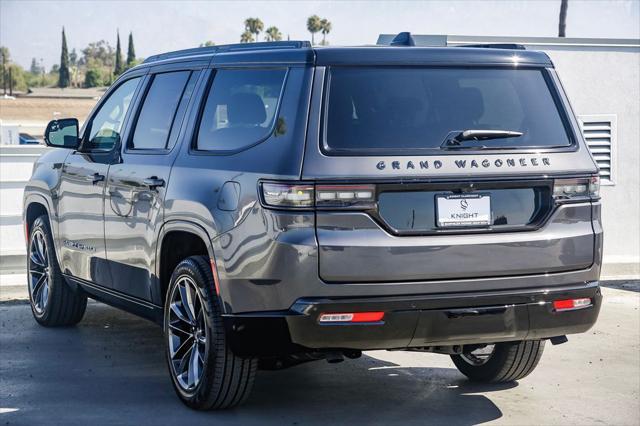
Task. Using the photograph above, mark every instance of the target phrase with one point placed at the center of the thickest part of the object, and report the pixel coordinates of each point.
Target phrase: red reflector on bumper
(352, 317)
(571, 304)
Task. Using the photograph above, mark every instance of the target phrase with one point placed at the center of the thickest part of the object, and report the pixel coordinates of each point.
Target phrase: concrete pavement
(110, 370)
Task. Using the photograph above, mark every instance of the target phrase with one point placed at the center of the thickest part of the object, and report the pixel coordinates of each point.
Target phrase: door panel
(82, 187)
(133, 215)
(136, 186)
(80, 207)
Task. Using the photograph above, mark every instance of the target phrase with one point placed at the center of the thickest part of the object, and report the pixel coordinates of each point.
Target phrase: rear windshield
(395, 110)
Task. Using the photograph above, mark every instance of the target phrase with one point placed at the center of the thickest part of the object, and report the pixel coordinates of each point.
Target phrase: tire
(214, 377)
(508, 362)
(53, 302)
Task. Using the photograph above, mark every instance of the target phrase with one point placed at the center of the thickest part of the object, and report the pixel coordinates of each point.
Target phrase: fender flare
(193, 228)
(41, 199)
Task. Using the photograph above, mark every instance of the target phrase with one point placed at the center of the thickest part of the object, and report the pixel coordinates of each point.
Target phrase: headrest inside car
(246, 109)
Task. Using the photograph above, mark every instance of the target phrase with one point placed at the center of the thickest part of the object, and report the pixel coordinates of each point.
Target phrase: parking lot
(110, 370)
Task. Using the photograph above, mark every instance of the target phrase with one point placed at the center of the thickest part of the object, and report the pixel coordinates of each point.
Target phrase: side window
(240, 108)
(106, 125)
(182, 108)
(159, 110)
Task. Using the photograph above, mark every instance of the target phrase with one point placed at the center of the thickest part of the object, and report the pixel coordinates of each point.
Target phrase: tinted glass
(159, 108)
(182, 108)
(399, 109)
(106, 125)
(240, 108)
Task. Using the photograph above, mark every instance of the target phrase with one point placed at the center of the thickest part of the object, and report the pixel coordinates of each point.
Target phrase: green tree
(254, 26)
(17, 78)
(313, 26)
(273, 34)
(63, 79)
(6, 57)
(207, 43)
(246, 37)
(119, 66)
(93, 78)
(131, 52)
(99, 60)
(562, 24)
(98, 53)
(325, 27)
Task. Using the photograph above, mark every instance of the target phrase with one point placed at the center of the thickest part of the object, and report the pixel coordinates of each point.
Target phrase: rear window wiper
(456, 140)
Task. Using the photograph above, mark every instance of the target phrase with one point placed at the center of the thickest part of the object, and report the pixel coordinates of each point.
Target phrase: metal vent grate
(599, 132)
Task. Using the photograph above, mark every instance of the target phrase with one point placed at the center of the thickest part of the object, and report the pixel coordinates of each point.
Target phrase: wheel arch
(177, 240)
(34, 207)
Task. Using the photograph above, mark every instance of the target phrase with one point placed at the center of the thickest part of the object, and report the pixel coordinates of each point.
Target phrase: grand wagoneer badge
(466, 164)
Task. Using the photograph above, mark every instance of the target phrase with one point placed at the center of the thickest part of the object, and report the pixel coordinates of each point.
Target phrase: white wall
(16, 163)
(607, 81)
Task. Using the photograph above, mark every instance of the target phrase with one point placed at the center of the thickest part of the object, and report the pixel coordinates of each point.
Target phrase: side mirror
(62, 133)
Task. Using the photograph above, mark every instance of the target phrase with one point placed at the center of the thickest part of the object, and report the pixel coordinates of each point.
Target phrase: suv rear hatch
(472, 172)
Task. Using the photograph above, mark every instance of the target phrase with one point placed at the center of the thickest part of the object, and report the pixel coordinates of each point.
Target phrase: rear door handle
(153, 182)
(95, 178)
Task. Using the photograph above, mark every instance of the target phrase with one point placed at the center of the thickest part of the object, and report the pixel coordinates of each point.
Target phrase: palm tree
(313, 26)
(246, 37)
(273, 34)
(562, 25)
(325, 25)
(254, 26)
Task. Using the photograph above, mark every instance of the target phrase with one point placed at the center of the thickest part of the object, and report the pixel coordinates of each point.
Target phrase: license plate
(463, 210)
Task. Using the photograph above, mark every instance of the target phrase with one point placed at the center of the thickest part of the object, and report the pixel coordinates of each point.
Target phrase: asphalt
(110, 370)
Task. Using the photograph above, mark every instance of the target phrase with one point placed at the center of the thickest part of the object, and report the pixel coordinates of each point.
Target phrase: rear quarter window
(394, 110)
(240, 108)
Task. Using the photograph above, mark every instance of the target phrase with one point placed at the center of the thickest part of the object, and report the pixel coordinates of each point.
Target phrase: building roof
(457, 40)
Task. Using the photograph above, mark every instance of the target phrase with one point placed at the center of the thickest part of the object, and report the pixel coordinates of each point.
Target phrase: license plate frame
(478, 204)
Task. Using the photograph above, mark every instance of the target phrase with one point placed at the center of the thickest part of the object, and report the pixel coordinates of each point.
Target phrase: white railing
(16, 164)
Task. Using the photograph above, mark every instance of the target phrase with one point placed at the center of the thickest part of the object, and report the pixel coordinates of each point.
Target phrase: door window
(240, 109)
(106, 125)
(157, 114)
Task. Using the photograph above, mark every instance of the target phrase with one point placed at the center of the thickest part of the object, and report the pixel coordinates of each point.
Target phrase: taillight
(285, 195)
(345, 196)
(581, 188)
(305, 196)
(571, 304)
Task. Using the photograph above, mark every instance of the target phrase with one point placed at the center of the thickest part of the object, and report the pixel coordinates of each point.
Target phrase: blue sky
(32, 28)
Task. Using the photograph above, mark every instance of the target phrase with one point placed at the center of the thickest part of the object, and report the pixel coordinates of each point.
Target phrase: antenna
(403, 39)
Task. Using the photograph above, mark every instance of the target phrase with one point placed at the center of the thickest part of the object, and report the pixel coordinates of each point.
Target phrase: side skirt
(133, 305)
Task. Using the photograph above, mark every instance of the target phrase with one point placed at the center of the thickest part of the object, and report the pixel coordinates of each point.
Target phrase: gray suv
(271, 204)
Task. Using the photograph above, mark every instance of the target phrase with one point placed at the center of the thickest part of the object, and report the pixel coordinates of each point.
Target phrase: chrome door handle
(95, 178)
(153, 182)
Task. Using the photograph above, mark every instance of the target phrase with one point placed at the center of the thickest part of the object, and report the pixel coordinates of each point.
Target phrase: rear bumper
(414, 321)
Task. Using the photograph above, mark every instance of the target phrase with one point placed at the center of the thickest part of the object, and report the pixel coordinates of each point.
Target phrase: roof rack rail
(513, 46)
(229, 48)
(264, 45)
